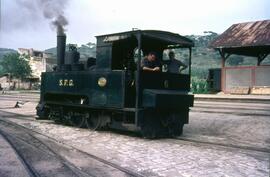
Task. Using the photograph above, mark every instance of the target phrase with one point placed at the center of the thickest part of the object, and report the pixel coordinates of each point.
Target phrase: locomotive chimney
(61, 48)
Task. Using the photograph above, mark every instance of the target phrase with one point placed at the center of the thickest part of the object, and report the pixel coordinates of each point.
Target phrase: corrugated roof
(244, 35)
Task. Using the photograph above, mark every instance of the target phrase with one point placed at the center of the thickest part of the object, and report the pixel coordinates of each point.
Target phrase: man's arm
(151, 69)
(147, 68)
(184, 66)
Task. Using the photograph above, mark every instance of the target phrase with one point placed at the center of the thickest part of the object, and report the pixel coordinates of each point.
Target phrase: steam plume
(54, 11)
(60, 23)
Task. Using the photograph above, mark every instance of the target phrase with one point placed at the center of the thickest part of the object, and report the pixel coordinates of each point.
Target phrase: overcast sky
(23, 24)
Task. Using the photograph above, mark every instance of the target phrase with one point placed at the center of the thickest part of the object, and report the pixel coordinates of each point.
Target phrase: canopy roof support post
(224, 57)
(261, 57)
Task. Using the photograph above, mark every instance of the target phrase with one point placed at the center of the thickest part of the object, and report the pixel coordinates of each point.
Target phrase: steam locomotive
(113, 91)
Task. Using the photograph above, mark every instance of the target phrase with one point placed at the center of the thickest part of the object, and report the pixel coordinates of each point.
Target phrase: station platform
(230, 97)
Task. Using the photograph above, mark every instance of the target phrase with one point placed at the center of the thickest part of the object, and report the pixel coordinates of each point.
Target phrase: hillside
(4, 51)
(86, 50)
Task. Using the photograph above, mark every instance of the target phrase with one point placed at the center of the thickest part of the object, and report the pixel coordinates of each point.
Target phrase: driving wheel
(93, 122)
(76, 119)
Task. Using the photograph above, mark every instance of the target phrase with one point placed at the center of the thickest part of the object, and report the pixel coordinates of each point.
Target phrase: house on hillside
(39, 61)
(4, 81)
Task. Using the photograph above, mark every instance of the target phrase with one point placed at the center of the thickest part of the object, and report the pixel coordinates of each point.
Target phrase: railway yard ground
(227, 136)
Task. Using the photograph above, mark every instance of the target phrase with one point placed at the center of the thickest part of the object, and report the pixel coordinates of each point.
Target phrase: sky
(23, 24)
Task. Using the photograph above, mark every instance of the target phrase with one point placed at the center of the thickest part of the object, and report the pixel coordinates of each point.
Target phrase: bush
(199, 85)
(16, 65)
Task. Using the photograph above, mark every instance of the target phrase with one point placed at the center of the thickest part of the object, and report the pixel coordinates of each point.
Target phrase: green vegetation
(4, 51)
(15, 65)
(203, 59)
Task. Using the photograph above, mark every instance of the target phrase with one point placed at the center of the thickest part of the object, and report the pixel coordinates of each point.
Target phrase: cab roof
(163, 36)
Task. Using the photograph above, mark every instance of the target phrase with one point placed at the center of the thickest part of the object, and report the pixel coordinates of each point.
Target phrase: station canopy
(248, 39)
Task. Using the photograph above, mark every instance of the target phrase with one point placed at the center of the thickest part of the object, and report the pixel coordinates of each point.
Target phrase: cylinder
(61, 49)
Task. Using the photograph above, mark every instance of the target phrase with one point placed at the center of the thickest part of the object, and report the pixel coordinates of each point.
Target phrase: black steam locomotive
(113, 91)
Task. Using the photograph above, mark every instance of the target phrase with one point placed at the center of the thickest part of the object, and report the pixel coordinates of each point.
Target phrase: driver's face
(151, 57)
(171, 55)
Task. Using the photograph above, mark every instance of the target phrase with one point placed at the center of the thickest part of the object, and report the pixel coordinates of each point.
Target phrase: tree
(91, 44)
(16, 65)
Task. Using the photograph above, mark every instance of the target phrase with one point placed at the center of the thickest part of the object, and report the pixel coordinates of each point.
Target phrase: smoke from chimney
(60, 23)
(54, 11)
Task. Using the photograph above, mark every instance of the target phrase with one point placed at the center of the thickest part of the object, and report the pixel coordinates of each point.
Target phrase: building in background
(247, 39)
(39, 61)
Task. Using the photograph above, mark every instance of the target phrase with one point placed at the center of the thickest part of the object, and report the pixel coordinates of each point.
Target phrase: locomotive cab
(116, 92)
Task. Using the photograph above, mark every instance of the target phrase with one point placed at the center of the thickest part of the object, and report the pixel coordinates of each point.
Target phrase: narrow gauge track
(32, 151)
(233, 106)
(264, 150)
(28, 168)
(74, 169)
(242, 109)
(242, 147)
(227, 106)
(209, 110)
(248, 109)
(19, 98)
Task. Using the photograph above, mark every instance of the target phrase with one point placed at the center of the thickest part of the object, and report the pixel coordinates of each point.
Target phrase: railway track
(235, 147)
(241, 147)
(24, 98)
(26, 145)
(236, 108)
(27, 137)
(30, 171)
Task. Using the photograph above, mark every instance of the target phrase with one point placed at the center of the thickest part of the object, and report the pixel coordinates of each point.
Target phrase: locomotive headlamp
(102, 81)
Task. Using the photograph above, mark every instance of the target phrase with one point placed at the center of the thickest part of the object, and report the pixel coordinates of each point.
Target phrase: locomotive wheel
(93, 122)
(177, 130)
(56, 119)
(76, 119)
(42, 112)
(152, 127)
(148, 132)
(56, 115)
(175, 126)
